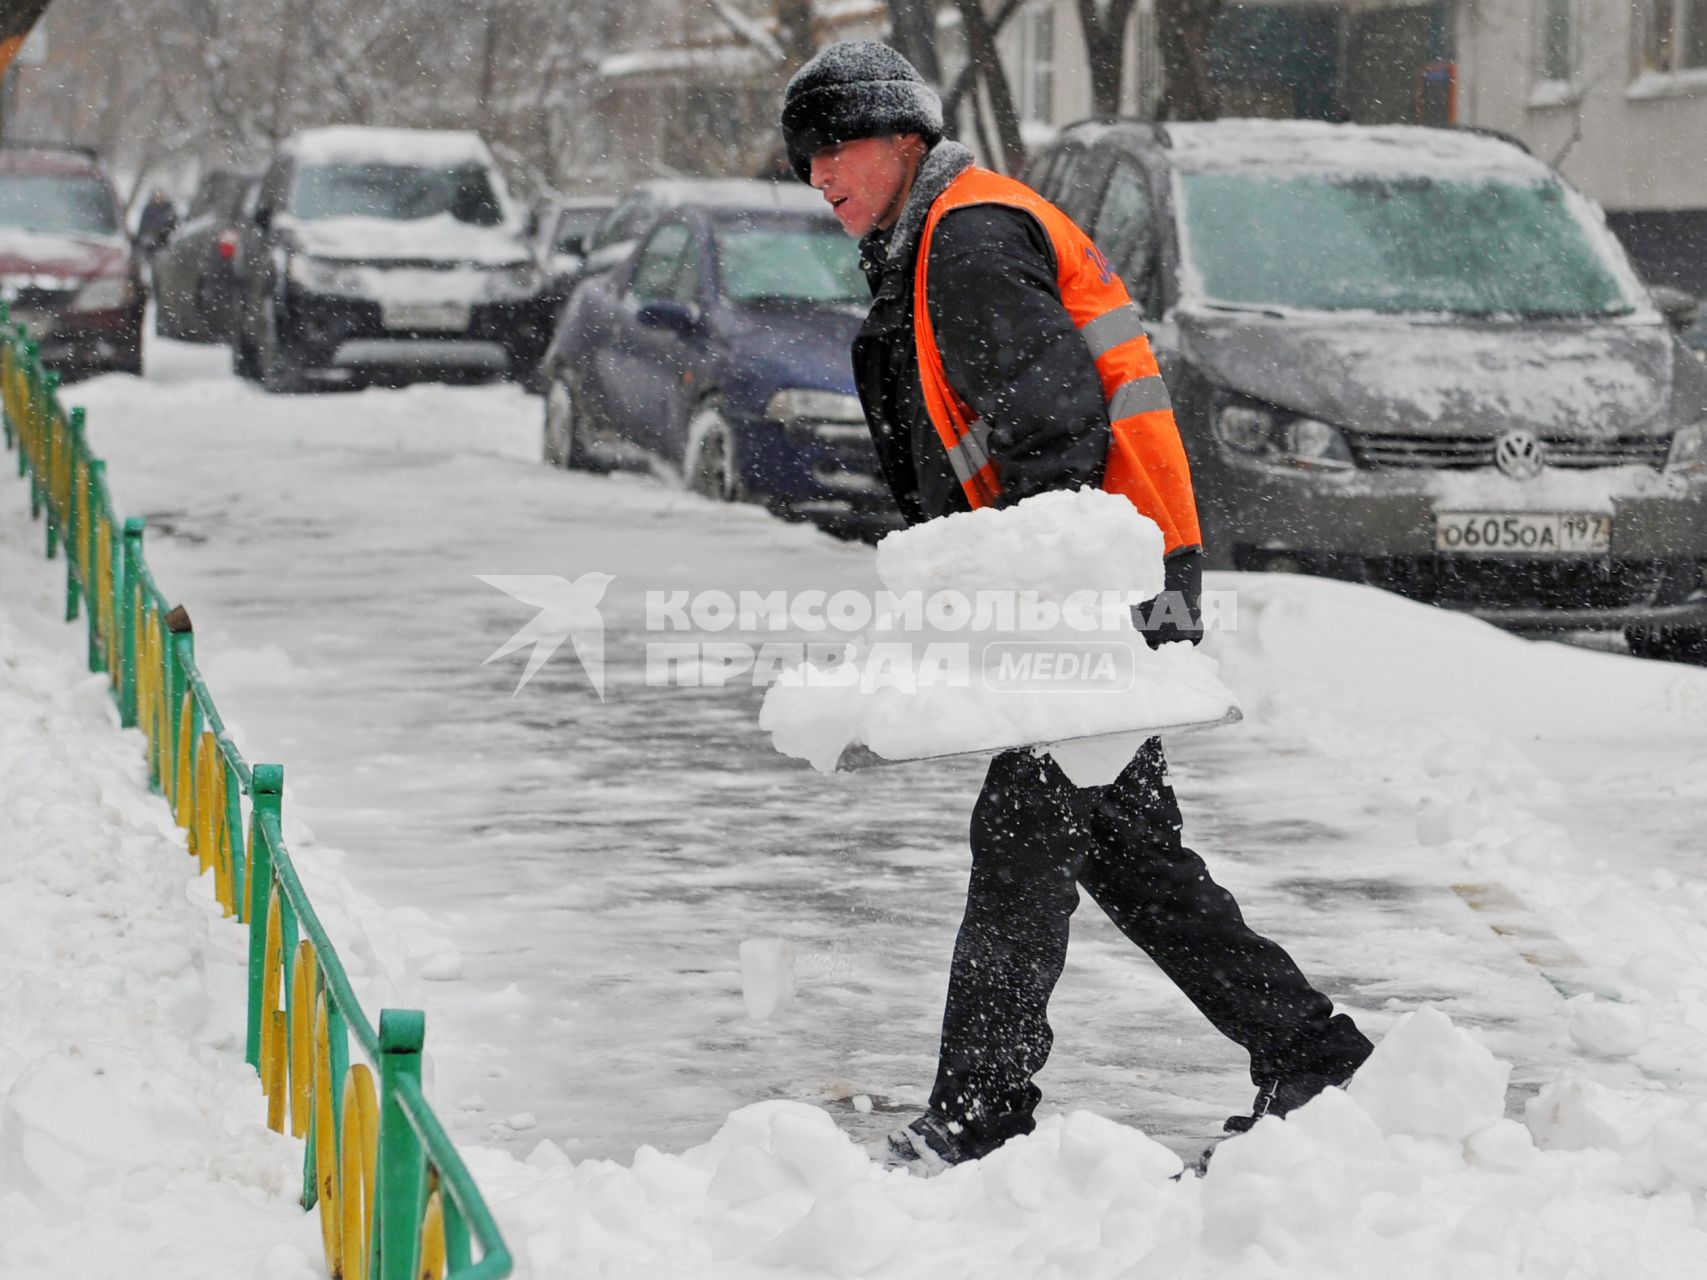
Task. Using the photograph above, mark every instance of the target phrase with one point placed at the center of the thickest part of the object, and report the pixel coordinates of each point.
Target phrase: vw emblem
(1519, 455)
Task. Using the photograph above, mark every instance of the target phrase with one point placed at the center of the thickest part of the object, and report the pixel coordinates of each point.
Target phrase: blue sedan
(719, 349)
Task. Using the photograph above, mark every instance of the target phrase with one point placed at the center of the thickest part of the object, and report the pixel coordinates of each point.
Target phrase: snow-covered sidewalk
(579, 856)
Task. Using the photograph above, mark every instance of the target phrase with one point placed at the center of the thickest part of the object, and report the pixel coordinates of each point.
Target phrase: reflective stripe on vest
(1146, 460)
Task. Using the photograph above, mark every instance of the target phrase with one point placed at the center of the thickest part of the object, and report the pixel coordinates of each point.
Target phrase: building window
(1558, 59)
(1038, 60)
(1674, 35)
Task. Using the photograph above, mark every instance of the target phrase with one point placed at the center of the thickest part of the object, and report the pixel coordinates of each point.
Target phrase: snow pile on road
(1055, 658)
(132, 1139)
(1415, 1171)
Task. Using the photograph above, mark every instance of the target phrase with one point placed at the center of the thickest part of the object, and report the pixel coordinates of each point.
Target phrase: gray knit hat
(855, 89)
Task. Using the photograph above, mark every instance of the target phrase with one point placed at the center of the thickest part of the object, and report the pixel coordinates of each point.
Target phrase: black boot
(1277, 1097)
(935, 1142)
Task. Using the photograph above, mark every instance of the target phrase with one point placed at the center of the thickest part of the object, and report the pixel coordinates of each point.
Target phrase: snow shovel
(858, 756)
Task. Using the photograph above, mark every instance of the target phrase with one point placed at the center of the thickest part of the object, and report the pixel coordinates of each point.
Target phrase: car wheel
(1668, 644)
(243, 360)
(711, 467)
(565, 428)
(281, 365)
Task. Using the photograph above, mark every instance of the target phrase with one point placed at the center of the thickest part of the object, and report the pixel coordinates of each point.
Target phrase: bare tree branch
(749, 29)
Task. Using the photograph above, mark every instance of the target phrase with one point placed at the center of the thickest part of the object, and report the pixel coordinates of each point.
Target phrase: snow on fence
(395, 1200)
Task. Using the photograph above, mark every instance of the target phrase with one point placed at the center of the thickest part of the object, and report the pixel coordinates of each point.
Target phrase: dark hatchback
(194, 277)
(720, 348)
(68, 273)
(1410, 357)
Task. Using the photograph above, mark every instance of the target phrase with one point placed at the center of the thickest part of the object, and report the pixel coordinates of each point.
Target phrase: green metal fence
(395, 1200)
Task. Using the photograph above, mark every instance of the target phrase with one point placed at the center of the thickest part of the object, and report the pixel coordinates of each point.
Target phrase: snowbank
(132, 1134)
(1063, 662)
(1415, 1172)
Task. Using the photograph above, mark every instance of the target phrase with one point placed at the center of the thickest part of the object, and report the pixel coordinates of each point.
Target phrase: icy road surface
(579, 875)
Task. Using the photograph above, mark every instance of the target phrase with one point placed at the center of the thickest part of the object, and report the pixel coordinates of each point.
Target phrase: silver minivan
(1410, 357)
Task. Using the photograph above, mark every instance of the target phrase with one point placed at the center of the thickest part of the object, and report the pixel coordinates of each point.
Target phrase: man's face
(866, 180)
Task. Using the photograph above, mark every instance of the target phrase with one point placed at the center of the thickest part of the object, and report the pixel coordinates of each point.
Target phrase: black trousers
(1036, 838)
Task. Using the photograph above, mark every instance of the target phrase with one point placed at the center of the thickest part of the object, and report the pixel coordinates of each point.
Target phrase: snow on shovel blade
(858, 756)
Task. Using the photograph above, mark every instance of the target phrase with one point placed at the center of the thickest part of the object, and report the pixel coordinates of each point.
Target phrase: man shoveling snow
(1003, 358)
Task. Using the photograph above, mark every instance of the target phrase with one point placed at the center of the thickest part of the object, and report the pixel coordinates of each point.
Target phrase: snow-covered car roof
(1316, 144)
(736, 193)
(364, 144)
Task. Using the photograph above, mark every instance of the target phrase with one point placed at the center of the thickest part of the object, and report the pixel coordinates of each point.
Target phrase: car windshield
(1469, 245)
(220, 193)
(574, 227)
(396, 192)
(66, 203)
(797, 262)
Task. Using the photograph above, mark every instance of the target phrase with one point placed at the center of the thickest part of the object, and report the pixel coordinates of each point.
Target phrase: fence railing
(395, 1200)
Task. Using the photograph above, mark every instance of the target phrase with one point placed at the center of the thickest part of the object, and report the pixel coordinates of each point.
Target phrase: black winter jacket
(1008, 346)
(1010, 350)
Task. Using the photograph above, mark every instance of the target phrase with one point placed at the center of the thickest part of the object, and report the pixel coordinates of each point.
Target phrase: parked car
(562, 231)
(389, 253)
(194, 280)
(68, 273)
(721, 348)
(1410, 357)
(631, 217)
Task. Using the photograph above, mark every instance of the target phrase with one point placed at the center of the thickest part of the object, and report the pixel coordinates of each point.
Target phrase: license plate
(1528, 532)
(440, 317)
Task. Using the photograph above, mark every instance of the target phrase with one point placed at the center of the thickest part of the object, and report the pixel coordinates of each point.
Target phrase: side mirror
(530, 228)
(263, 218)
(575, 244)
(668, 313)
(1678, 306)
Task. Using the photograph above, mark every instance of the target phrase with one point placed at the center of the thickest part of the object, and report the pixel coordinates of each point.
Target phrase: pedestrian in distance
(157, 222)
(1002, 357)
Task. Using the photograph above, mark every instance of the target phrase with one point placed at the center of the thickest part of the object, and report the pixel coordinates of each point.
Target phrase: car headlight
(319, 275)
(512, 283)
(107, 294)
(802, 404)
(1688, 454)
(1281, 439)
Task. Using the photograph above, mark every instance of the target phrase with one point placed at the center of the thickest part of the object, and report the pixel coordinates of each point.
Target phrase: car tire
(1668, 644)
(564, 428)
(711, 466)
(281, 365)
(244, 362)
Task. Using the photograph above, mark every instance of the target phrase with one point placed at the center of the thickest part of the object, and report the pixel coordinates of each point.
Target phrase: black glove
(1175, 614)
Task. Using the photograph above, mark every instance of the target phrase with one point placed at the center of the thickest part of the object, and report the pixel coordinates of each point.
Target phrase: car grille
(1513, 584)
(1462, 453)
(37, 298)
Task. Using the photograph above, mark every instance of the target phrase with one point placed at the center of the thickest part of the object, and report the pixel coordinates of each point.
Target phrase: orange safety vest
(1146, 459)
